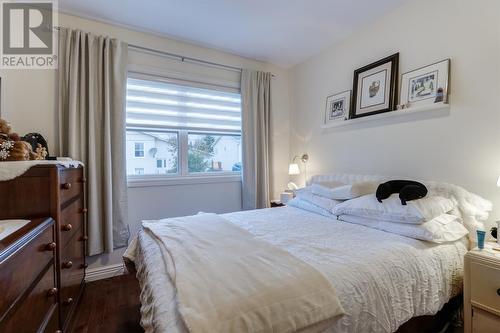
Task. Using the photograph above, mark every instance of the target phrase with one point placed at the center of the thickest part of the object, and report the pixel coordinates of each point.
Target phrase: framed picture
(374, 88)
(426, 85)
(337, 107)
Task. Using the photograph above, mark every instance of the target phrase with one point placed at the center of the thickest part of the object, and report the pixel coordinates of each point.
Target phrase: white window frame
(143, 149)
(182, 177)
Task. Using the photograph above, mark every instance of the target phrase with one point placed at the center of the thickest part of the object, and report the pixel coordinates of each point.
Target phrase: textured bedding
(381, 279)
(228, 281)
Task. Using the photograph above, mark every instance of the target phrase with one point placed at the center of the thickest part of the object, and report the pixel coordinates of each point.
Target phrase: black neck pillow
(407, 189)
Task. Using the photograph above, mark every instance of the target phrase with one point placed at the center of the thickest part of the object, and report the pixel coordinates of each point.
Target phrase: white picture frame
(421, 86)
(337, 107)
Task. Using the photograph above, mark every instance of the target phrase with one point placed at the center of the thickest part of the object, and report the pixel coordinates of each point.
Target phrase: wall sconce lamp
(293, 169)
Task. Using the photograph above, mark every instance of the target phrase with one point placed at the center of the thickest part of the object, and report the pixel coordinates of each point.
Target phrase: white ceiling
(282, 32)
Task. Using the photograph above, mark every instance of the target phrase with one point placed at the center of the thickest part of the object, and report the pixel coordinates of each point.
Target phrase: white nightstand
(482, 290)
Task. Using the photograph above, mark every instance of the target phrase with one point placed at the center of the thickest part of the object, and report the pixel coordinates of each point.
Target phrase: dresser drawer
(72, 273)
(71, 221)
(485, 322)
(19, 271)
(70, 184)
(485, 285)
(34, 311)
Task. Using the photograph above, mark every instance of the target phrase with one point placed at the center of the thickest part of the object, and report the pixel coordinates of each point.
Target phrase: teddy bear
(13, 149)
(6, 131)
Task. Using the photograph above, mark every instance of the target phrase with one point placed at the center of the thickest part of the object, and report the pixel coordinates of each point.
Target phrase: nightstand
(482, 290)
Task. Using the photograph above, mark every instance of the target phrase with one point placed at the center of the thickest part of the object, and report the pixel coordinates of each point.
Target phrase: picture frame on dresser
(375, 87)
(426, 85)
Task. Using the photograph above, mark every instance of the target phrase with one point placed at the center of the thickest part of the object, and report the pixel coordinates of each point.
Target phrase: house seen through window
(179, 129)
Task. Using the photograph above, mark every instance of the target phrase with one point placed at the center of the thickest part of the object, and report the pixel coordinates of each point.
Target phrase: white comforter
(381, 279)
(226, 280)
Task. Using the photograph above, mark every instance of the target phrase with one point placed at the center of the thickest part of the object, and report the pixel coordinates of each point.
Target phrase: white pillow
(344, 192)
(304, 205)
(441, 229)
(322, 202)
(391, 209)
(323, 188)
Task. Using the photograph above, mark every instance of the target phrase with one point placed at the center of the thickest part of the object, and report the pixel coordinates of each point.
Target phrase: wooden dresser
(28, 301)
(58, 192)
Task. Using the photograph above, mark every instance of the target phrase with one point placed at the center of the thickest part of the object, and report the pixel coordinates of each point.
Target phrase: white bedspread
(226, 280)
(381, 279)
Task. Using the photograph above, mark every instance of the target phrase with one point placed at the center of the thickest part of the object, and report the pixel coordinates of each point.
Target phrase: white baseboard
(104, 272)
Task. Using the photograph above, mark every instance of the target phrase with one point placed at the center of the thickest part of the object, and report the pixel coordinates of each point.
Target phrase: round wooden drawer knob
(50, 247)
(84, 210)
(498, 291)
(68, 300)
(67, 264)
(84, 238)
(83, 180)
(66, 186)
(67, 227)
(52, 292)
(83, 266)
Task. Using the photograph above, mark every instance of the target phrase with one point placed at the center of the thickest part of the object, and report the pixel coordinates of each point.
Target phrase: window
(214, 153)
(159, 152)
(139, 149)
(182, 129)
(139, 171)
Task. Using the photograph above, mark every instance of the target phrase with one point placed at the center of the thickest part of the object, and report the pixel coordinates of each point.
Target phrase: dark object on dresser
(407, 189)
(27, 281)
(493, 232)
(276, 204)
(34, 139)
(58, 192)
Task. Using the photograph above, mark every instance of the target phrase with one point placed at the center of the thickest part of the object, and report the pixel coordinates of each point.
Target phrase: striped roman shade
(155, 104)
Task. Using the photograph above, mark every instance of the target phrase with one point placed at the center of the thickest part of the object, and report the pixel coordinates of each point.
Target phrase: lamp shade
(293, 169)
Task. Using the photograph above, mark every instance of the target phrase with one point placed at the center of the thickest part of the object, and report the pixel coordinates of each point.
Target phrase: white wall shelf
(431, 108)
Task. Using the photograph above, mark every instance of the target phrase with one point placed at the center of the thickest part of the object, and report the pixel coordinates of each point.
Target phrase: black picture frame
(392, 85)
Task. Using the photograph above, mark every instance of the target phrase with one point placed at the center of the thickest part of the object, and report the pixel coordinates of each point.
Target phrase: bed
(382, 280)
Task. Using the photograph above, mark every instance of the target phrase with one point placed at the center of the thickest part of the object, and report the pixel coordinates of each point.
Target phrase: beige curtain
(256, 118)
(92, 83)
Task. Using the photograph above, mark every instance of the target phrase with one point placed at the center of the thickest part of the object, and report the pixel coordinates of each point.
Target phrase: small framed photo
(337, 107)
(426, 85)
(374, 88)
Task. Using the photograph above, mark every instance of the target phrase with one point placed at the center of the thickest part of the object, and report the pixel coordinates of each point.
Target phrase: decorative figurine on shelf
(439, 95)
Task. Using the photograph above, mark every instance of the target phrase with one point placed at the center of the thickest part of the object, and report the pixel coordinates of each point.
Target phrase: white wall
(461, 147)
(29, 103)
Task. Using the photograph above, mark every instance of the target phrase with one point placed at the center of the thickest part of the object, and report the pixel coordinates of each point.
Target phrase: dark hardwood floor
(110, 305)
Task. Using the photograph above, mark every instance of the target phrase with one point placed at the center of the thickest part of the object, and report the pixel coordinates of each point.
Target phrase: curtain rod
(190, 59)
(181, 57)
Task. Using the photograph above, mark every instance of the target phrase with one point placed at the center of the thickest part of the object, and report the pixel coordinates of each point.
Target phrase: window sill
(147, 181)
